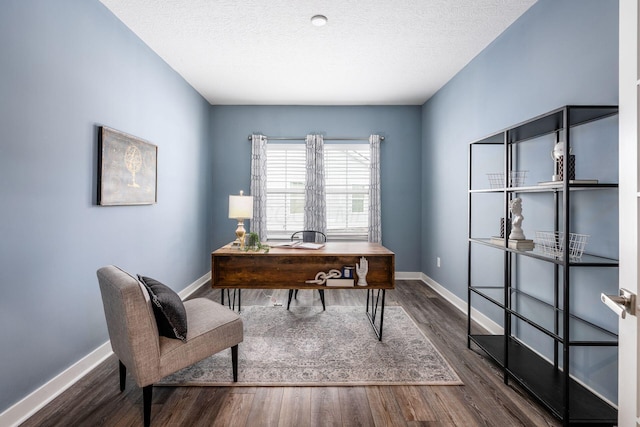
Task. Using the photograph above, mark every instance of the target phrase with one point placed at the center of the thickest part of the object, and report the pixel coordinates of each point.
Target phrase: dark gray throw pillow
(168, 309)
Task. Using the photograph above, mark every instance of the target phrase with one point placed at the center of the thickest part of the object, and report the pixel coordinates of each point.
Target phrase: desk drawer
(290, 272)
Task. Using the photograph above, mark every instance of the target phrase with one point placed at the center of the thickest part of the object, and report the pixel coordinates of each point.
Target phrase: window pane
(285, 189)
(347, 189)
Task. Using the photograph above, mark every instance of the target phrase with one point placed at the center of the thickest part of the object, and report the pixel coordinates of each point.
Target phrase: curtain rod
(302, 138)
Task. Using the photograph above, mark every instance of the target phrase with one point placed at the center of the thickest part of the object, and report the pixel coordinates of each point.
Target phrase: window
(347, 189)
(285, 189)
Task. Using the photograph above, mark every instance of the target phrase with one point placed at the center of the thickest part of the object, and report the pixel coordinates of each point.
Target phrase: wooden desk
(290, 268)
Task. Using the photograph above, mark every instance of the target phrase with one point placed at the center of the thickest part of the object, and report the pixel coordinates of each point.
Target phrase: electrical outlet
(438, 262)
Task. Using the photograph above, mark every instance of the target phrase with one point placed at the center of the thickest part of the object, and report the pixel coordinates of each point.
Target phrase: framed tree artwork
(127, 169)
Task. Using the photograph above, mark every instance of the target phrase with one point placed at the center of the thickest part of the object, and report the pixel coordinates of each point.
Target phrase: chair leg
(147, 393)
(293, 294)
(234, 362)
(123, 375)
(290, 296)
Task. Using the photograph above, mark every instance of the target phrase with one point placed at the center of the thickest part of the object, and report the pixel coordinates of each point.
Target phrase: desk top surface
(330, 248)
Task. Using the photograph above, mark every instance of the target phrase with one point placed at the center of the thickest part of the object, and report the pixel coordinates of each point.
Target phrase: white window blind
(347, 189)
(285, 189)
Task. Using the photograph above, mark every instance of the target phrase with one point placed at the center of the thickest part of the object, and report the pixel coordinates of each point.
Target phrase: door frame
(628, 209)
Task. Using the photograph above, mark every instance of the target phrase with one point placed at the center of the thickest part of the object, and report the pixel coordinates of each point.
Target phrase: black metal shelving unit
(550, 382)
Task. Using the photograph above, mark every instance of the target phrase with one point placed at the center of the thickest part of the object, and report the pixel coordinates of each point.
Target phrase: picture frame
(127, 169)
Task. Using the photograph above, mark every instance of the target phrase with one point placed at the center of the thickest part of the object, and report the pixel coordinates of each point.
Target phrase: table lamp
(240, 208)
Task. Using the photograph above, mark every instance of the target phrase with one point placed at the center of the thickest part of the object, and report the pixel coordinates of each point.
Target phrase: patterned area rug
(305, 346)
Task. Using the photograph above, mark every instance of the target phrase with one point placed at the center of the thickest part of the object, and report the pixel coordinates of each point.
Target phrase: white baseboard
(194, 286)
(461, 305)
(21, 411)
(408, 275)
(36, 400)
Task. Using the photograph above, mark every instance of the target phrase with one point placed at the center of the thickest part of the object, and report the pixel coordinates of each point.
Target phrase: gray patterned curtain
(315, 203)
(375, 217)
(259, 185)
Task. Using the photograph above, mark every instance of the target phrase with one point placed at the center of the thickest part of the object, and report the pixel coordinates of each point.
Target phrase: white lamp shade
(240, 207)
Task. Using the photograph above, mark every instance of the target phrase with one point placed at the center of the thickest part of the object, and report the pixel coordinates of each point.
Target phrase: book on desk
(339, 282)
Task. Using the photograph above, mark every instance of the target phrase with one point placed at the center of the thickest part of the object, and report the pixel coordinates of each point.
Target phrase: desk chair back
(310, 236)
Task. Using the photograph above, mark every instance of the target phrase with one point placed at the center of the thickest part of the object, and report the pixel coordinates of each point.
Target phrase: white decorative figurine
(362, 269)
(516, 219)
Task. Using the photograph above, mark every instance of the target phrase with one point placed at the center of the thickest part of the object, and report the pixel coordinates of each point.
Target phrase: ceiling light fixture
(319, 20)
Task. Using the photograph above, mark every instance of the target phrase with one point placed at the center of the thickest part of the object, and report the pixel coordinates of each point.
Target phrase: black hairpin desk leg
(232, 301)
(375, 302)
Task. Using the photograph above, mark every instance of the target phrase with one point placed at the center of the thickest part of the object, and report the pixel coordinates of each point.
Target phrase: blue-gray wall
(399, 153)
(558, 53)
(67, 67)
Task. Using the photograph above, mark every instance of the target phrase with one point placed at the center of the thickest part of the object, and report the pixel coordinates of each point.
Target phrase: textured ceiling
(258, 52)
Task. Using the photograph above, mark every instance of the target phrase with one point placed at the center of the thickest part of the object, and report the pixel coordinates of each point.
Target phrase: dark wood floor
(483, 400)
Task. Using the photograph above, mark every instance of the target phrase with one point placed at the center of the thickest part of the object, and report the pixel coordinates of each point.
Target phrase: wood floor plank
(234, 411)
(450, 407)
(182, 402)
(325, 407)
(295, 410)
(384, 407)
(483, 400)
(208, 401)
(413, 405)
(354, 407)
(266, 407)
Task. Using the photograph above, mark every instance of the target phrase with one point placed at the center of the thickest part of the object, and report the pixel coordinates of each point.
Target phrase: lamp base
(241, 233)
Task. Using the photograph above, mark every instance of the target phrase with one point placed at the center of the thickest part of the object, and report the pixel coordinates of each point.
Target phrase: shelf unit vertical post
(556, 287)
(506, 255)
(566, 121)
(469, 182)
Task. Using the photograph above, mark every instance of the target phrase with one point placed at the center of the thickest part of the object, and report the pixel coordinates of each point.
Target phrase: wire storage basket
(551, 243)
(516, 179)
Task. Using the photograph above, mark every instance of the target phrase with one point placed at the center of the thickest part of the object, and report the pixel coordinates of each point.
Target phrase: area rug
(305, 346)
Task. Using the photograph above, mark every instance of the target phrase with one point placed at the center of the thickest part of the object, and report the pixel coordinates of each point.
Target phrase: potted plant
(254, 244)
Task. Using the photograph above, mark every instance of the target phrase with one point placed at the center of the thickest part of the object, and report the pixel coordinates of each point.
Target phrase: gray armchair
(135, 339)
